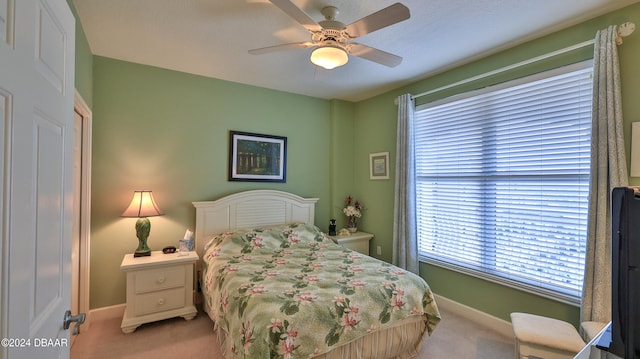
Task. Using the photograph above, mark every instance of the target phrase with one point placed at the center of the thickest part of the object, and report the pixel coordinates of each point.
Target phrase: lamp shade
(329, 57)
(142, 205)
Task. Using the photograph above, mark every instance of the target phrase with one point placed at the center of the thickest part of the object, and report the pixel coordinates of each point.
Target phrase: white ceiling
(212, 37)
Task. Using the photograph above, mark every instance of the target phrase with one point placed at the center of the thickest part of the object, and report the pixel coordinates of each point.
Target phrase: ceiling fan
(331, 39)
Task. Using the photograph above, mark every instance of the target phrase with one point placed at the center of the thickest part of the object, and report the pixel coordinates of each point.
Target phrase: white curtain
(608, 170)
(405, 242)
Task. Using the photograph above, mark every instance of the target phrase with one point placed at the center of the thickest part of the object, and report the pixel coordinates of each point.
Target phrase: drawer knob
(161, 301)
(160, 280)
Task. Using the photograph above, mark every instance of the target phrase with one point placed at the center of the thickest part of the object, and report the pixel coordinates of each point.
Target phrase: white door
(37, 90)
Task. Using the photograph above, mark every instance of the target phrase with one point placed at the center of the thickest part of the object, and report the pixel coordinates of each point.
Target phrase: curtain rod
(623, 30)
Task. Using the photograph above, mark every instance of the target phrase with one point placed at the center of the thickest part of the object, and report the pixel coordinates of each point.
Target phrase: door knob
(68, 319)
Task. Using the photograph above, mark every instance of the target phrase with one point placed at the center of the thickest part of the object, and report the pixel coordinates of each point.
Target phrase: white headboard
(249, 209)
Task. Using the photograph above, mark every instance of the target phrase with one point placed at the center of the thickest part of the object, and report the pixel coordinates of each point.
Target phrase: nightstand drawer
(159, 301)
(160, 278)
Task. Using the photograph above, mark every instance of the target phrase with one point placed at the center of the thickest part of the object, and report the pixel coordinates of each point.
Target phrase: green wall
(342, 164)
(168, 132)
(83, 61)
(375, 128)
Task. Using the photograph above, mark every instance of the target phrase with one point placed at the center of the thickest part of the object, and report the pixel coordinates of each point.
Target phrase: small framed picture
(379, 166)
(256, 157)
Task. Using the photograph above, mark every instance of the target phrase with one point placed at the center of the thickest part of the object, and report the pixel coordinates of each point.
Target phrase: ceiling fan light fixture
(329, 57)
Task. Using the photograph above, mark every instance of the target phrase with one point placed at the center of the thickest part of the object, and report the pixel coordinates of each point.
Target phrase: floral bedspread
(290, 292)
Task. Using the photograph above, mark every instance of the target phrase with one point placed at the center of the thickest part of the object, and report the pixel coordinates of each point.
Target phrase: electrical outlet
(379, 250)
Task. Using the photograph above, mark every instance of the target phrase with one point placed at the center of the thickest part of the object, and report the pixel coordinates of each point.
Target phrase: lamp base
(143, 227)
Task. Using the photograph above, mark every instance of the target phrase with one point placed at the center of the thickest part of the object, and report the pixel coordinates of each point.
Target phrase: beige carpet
(455, 337)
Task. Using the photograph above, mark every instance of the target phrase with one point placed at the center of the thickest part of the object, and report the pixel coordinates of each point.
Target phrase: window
(502, 181)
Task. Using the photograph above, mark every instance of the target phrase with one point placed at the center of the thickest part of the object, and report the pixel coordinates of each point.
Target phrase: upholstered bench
(591, 329)
(542, 337)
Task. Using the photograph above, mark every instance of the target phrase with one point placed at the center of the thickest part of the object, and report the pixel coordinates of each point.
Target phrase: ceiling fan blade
(297, 14)
(378, 20)
(294, 45)
(375, 55)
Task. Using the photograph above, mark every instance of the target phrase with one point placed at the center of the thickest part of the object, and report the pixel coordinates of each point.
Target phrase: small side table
(358, 241)
(159, 286)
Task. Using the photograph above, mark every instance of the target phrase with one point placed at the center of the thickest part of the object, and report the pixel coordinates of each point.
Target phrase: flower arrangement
(353, 210)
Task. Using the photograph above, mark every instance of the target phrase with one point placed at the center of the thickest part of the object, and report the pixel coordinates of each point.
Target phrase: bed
(276, 286)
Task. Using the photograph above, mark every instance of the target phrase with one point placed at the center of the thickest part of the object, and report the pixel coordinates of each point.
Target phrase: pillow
(248, 240)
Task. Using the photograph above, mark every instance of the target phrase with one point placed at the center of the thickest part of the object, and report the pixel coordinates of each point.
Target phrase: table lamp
(142, 206)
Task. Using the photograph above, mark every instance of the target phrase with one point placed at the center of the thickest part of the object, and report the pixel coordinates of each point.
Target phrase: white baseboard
(114, 311)
(500, 325)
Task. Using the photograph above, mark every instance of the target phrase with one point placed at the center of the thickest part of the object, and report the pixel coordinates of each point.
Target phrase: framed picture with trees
(257, 157)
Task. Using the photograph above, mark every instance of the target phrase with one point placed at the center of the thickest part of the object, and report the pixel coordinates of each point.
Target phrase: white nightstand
(159, 286)
(358, 241)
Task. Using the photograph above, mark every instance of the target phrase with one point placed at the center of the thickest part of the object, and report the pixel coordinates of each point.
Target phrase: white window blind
(503, 179)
